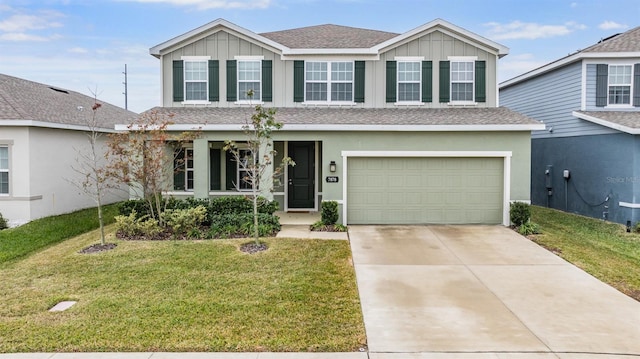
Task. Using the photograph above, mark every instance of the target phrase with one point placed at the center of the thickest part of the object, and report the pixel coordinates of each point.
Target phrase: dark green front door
(301, 181)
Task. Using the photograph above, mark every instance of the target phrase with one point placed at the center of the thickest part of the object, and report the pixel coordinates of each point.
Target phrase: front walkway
(483, 292)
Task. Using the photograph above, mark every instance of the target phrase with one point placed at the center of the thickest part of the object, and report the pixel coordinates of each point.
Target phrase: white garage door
(389, 190)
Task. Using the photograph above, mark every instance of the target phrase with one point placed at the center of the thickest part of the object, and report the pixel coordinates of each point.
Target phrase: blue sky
(83, 45)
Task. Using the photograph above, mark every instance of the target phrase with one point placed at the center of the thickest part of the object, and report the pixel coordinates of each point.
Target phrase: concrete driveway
(483, 292)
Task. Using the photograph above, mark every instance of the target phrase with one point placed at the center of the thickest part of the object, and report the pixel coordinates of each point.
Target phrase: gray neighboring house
(397, 128)
(41, 127)
(587, 160)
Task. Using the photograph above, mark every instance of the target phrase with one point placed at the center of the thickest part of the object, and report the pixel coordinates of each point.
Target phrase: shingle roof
(26, 100)
(329, 37)
(352, 116)
(628, 41)
(629, 119)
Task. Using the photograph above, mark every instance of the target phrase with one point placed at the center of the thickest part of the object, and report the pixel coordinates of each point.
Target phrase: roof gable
(329, 39)
(22, 100)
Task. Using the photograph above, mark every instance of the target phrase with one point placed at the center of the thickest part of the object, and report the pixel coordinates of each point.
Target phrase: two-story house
(397, 128)
(586, 160)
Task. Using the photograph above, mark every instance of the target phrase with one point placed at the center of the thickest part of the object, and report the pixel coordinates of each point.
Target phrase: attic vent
(59, 90)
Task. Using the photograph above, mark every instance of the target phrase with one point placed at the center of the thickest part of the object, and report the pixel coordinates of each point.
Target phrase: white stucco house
(42, 128)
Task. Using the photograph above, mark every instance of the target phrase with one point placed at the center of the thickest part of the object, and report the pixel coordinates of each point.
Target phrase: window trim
(7, 170)
(239, 59)
(205, 60)
(329, 82)
(188, 155)
(620, 105)
(471, 59)
(416, 60)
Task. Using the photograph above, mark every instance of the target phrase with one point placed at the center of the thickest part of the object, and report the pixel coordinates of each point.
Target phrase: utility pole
(126, 107)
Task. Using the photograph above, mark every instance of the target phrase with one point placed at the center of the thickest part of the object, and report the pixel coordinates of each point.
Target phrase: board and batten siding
(434, 46)
(551, 98)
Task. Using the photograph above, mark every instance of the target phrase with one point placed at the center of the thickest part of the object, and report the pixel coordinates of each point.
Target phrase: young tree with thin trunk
(255, 156)
(145, 157)
(93, 179)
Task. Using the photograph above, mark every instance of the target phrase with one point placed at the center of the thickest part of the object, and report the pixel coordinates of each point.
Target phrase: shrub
(3, 223)
(329, 212)
(239, 204)
(241, 224)
(520, 213)
(182, 220)
(131, 225)
(139, 206)
(636, 228)
(528, 228)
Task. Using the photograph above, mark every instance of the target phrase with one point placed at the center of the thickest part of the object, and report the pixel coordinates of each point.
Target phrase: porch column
(200, 168)
(266, 181)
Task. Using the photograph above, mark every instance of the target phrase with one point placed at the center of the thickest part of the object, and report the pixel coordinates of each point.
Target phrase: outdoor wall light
(332, 166)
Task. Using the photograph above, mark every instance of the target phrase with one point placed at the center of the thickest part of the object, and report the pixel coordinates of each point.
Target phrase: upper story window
(619, 88)
(329, 81)
(462, 81)
(249, 79)
(195, 80)
(4, 170)
(409, 76)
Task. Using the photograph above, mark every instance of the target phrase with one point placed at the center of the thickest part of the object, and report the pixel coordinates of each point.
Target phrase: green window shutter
(636, 85)
(178, 81)
(232, 81)
(267, 82)
(602, 72)
(391, 81)
(214, 169)
(427, 81)
(358, 79)
(231, 175)
(214, 81)
(298, 81)
(178, 169)
(481, 81)
(444, 81)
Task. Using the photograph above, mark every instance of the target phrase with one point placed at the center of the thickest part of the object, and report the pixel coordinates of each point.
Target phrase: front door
(301, 178)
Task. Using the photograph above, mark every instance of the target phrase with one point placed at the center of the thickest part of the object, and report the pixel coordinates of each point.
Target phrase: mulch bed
(253, 247)
(325, 228)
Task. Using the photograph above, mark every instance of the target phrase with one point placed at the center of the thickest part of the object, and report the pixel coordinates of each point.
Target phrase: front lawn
(603, 249)
(40, 233)
(299, 295)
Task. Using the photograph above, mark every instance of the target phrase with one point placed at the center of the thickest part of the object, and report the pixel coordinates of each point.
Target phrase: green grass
(35, 235)
(602, 249)
(299, 295)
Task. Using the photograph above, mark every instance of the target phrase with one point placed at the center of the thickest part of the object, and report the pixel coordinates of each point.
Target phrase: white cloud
(213, 4)
(612, 25)
(24, 27)
(530, 30)
(78, 50)
(574, 5)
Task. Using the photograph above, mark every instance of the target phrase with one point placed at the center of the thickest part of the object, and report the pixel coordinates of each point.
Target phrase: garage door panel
(424, 190)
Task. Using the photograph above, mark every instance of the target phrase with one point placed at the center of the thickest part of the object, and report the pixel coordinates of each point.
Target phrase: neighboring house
(397, 128)
(587, 160)
(41, 129)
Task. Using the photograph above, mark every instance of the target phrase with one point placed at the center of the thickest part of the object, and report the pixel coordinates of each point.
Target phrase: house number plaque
(332, 179)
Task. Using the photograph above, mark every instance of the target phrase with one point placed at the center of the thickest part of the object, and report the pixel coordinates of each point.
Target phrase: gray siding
(590, 100)
(551, 98)
(604, 170)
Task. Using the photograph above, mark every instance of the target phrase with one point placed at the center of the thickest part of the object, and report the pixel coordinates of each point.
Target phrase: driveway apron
(483, 290)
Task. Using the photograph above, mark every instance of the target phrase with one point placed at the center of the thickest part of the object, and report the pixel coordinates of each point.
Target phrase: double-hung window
(409, 81)
(183, 171)
(245, 169)
(4, 170)
(462, 81)
(195, 80)
(249, 79)
(619, 89)
(329, 81)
